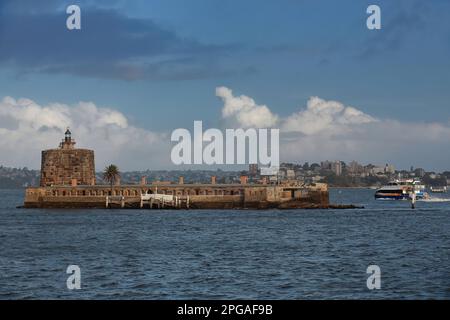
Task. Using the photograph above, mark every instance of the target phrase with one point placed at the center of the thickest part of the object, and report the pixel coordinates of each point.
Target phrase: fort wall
(217, 196)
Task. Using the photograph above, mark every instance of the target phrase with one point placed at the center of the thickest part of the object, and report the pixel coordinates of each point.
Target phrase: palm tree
(111, 174)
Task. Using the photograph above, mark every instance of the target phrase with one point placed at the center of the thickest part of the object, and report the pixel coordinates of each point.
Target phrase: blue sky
(159, 62)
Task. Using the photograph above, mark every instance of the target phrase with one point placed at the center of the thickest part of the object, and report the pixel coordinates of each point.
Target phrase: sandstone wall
(60, 167)
(200, 196)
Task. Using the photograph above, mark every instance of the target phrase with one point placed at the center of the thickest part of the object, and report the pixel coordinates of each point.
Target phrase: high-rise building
(325, 165)
(354, 168)
(389, 169)
(336, 167)
(420, 172)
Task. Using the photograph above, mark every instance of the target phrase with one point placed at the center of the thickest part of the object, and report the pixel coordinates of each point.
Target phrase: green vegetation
(111, 174)
(347, 181)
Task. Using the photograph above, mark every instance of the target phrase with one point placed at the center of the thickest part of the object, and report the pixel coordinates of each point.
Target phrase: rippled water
(300, 254)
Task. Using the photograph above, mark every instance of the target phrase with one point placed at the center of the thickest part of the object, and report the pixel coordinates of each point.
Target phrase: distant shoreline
(23, 188)
(351, 187)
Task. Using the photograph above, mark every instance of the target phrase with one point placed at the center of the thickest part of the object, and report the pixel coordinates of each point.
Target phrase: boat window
(390, 191)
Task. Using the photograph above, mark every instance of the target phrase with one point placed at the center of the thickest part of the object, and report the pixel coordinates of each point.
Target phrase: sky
(139, 69)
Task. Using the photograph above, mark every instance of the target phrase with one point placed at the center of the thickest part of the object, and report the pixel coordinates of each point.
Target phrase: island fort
(68, 181)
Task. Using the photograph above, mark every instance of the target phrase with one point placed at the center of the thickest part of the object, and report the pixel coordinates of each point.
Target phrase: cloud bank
(26, 128)
(318, 116)
(110, 44)
(321, 130)
(331, 130)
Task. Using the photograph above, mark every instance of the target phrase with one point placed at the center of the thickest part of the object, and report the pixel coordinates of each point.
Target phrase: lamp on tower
(68, 135)
(67, 143)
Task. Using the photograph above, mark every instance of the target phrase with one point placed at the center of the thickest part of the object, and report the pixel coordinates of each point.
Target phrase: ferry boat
(401, 190)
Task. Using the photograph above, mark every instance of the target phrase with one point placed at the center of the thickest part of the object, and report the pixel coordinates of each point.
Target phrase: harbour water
(245, 254)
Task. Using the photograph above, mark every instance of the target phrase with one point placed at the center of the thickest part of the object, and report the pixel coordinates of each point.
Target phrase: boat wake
(435, 200)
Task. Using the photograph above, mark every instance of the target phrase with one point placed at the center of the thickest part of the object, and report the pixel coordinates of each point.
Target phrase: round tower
(67, 165)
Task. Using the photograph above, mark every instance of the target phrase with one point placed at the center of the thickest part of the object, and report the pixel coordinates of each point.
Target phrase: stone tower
(67, 165)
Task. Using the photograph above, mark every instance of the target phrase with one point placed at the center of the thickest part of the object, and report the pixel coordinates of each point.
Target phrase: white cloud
(27, 127)
(318, 116)
(244, 111)
(322, 130)
(332, 130)
(321, 115)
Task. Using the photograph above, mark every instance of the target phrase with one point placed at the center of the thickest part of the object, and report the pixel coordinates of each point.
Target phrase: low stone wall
(66, 202)
(200, 197)
(216, 202)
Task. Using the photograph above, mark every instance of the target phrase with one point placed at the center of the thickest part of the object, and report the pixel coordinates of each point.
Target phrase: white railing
(164, 200)
(158, 197)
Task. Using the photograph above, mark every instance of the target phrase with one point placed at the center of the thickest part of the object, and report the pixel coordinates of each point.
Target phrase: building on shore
(336, 167)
